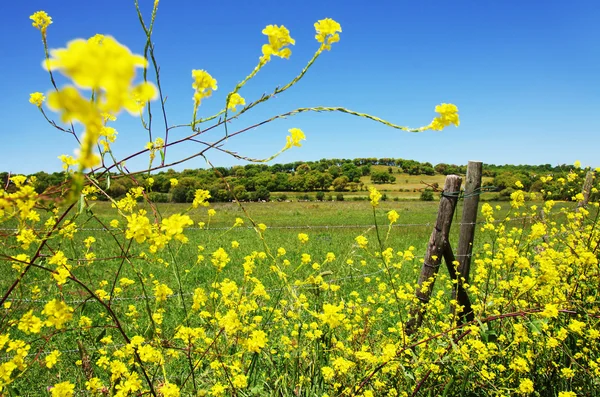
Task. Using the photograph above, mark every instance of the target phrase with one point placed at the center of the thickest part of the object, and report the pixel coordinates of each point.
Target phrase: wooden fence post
(587, 188)
(467, 225)
(435, 250)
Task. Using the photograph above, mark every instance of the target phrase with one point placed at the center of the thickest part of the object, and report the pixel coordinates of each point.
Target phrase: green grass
(331, 226)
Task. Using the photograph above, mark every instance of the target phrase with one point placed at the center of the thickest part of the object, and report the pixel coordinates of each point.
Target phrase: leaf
(81, 204)
(102, 335)
(537, 326)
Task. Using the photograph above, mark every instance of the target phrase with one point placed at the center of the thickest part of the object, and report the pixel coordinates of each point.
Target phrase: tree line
(252, 182)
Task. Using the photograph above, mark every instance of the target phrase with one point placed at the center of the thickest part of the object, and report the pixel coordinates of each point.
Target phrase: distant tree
(303, 169)
(339, 183)
(427, 195)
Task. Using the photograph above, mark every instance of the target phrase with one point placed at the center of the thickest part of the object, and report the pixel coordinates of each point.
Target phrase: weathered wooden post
(435, 250)
(467, 227)
(587, 188)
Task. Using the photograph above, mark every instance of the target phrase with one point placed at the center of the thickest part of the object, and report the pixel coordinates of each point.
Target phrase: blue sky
(524, 75)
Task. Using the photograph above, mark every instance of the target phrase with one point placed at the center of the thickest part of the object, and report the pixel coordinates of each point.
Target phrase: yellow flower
(161, 291)
(173, 225)
(30, 323)
(201, 198)
(393, 216)
(52, 358)
(550, 310)
(203, 85)
(576, 326)
(331, 314)
(448, 115)
(106, 67)
(577, 164)
(567, 394)
(257, 341)
(240, 381)
(374, 196)
(169, 390)
(279, 37)
(517, 199)
(327, 32)
(526, 386)
(238, 222)
(296, 135)
(303, 237)
(37, 98)
(58, 313)
(63, 389)
(41, 20)
(262, 227)
(361, 241)
(94, 385)
(174, 182)
(328, 373)
(220, 258)
(234, 100)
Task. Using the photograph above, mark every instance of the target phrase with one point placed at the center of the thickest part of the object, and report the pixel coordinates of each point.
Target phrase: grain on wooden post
(587, 188)
(469, 217)
(435, 250)
(467, 223)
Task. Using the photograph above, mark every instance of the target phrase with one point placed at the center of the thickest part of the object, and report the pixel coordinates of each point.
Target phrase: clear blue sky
(524, 74)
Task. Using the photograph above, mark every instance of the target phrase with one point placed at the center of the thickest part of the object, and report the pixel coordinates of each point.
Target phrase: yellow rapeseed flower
(448, 115)
(63, 389)
(169, 389)
(327, 32)
(393, 216)
(41, 20)
(279, 39)
(234, 100)
(105, 66)
(37, 98)
(374, 196)
(204, 84)
(296, 135)
(201, 198)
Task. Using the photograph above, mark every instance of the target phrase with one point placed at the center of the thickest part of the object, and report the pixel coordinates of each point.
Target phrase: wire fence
(360, 276)
(302, 227)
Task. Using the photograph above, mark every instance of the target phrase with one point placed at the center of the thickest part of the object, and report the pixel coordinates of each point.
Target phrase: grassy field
(331, 227)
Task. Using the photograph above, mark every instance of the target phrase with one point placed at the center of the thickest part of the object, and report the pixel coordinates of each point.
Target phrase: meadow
(127, 297)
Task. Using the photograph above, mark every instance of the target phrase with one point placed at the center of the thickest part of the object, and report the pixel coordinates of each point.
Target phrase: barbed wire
(283, 227)
(180, 295)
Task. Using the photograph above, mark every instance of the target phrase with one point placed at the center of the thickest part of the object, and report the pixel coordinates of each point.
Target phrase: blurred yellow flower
(107, 67)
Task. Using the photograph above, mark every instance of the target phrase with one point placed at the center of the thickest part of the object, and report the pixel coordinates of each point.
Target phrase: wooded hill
(258, 181)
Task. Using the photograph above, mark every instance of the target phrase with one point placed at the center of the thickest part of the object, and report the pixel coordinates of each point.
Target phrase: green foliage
(426, 195)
